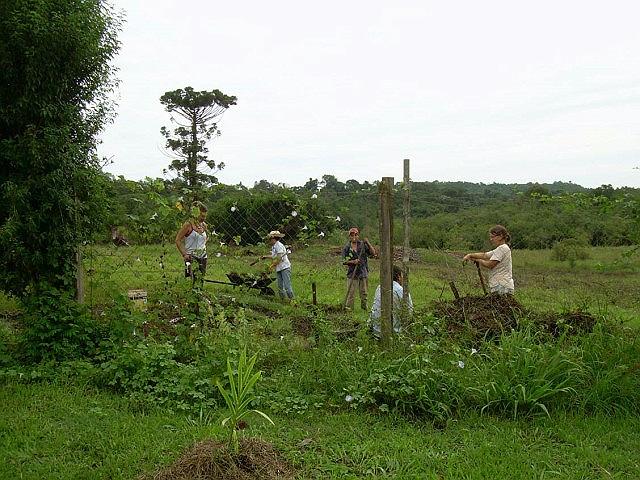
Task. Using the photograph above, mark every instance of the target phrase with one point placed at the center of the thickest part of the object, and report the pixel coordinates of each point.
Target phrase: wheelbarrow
(261, 282)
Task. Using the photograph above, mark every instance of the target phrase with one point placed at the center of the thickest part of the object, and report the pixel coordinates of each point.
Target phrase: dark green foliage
(194, 113)
(413, 385)
(152, 373)
(56, 327)
(54, 59)
(246, 219)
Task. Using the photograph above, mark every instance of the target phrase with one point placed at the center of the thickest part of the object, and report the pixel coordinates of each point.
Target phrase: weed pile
(484, 317)
(493, 315)
(211, 460)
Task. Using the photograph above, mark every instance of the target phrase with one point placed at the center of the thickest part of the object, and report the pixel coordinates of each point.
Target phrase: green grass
(606, 283)
(70, 432)
(68, 429)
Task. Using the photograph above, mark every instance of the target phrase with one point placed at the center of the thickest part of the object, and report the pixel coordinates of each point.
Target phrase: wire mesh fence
(315, 231)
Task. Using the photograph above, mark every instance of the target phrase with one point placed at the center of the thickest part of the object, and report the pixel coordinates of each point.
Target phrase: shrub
(56, 327)
(571, 250)
(413, 385)
(149, 372)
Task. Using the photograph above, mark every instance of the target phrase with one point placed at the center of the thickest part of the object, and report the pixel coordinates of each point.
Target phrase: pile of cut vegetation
(212, 460)
(484, 317)
(566, 322)
(492, 315)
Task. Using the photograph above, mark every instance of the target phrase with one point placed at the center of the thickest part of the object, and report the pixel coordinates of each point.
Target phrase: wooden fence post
(406, 246)
(386, 259)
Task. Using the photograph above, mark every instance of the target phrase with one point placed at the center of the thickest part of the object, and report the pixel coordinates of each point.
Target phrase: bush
(569, 249)
(413, 385)
(150, 373)
(56, 327)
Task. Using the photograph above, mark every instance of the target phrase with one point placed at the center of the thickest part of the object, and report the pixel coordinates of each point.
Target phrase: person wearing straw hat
(280, 264)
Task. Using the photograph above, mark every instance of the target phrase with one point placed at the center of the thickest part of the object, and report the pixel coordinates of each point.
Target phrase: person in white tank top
(498, 261)
(191, 239)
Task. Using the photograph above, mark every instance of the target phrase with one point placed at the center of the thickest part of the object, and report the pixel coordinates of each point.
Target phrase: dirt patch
(485, 317)
(211, 460)
(302, 326)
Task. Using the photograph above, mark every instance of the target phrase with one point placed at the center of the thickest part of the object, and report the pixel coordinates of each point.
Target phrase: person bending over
(397, 307)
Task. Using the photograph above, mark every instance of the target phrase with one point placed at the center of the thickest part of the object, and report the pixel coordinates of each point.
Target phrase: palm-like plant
(240, 395)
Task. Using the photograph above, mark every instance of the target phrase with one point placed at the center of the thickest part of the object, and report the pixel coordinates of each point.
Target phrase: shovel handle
(484, 287)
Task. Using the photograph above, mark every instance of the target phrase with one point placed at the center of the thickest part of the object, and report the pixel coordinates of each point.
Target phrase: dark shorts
(202, 263)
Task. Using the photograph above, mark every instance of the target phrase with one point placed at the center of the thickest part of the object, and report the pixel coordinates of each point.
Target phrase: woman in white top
(191, 239)
(497, 261)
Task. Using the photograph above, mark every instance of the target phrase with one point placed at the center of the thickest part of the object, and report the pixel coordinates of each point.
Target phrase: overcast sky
(474, 91)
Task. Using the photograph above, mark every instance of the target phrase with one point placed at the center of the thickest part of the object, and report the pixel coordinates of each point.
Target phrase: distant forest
(444, 215)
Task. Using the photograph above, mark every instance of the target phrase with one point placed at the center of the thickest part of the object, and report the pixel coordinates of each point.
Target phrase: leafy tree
(194, 114)
(56, 77)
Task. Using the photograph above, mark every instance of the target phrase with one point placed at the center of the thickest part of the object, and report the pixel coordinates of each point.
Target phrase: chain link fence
(315, 231)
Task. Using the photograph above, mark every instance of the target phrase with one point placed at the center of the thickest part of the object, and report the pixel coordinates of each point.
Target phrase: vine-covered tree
(56, 77)
(194, 113)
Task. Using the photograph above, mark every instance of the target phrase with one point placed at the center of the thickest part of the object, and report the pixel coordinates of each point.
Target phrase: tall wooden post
(386, 259)
(406, 246)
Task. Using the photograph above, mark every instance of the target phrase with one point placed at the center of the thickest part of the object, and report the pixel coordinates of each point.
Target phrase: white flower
(233, 209)
(359, 349)
(338, 218)
(233, 299)
(154, 216)
(218, 254)
(460, 364)
(281, 337)
(321, 234)
(473, 351)
(348, 398)
(222, 244)
(314, 196)
(305, 228)
(193, 325)
(213, 232)
(294, 214)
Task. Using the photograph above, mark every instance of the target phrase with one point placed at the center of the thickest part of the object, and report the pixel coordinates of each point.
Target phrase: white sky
(488, 91)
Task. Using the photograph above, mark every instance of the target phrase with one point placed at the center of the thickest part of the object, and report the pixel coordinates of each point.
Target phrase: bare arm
(179, 239)
(371, 248)
(481, 258)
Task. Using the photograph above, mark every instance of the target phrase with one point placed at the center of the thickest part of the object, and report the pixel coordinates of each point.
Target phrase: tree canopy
(56, 76)
(194, 113)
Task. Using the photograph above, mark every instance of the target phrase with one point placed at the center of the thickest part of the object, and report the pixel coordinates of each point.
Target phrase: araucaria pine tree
(195, 115)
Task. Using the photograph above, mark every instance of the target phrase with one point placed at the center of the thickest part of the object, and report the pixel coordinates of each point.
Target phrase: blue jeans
(284, 283)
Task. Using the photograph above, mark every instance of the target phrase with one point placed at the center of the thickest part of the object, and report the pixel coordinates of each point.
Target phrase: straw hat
(275, 234)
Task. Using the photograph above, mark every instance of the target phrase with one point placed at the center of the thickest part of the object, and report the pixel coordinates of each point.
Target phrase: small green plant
(239, 396)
